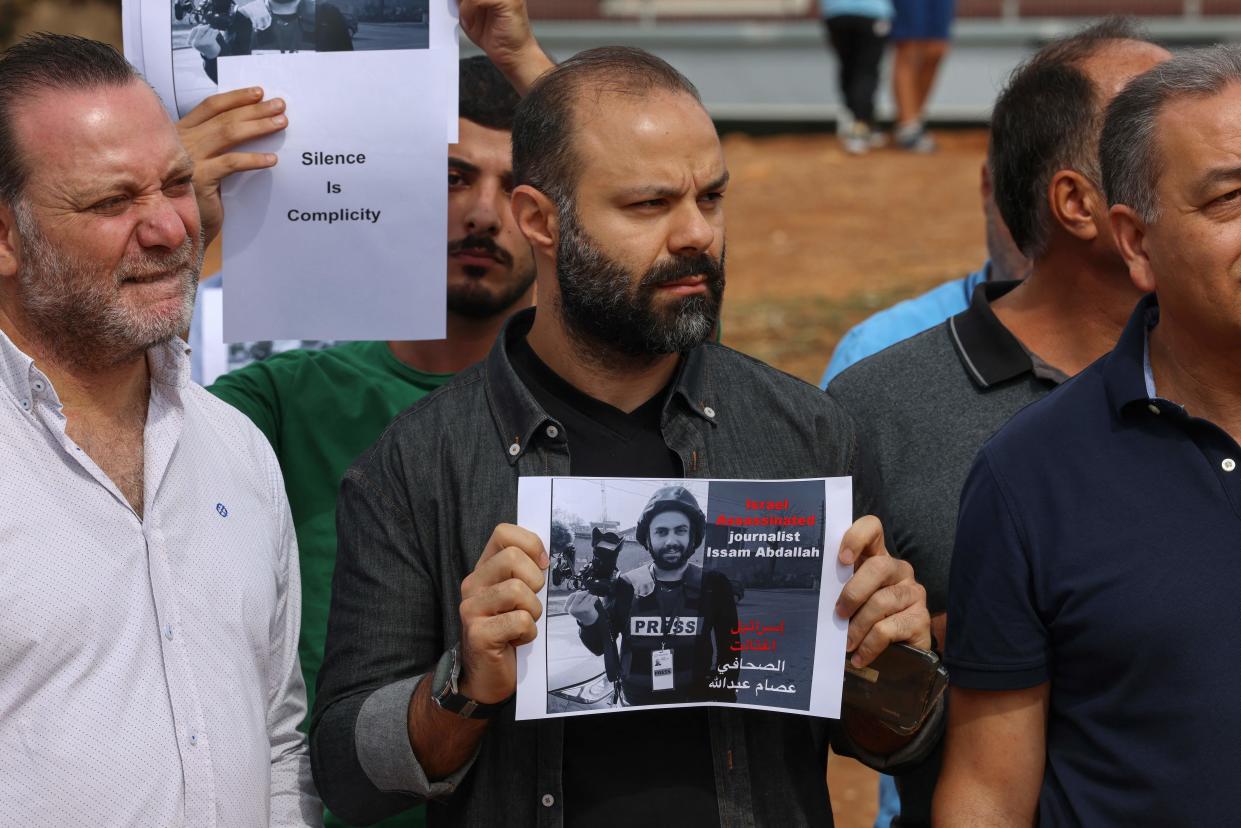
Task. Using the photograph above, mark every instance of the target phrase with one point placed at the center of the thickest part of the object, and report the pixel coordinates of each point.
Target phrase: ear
(984, 182)
(1129, 231)
(537, 218)
(1075, 204)
(10, 244)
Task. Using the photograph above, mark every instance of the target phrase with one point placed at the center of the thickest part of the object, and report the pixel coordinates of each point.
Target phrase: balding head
(548, 118)
(1049, 117)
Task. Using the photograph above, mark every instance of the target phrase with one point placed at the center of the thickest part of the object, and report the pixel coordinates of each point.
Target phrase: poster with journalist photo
(673, 593)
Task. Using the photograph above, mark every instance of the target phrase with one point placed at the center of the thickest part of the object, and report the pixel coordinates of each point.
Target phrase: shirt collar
(1125, 368)
(518, 415)
(169, 363)
(17, 371)
(987, 349)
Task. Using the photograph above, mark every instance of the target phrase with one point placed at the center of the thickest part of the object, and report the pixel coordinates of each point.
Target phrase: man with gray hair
(1096, 562)
(926, 405)
(149, 597)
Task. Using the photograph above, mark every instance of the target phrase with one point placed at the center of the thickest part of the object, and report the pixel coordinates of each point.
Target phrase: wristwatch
(444, 690)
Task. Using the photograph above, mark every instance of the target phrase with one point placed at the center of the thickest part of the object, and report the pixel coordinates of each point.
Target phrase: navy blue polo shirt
(1098, 548)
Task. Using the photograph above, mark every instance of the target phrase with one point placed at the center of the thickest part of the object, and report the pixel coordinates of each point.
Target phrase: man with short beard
(149, 595)
(620, 182)
(671, 527)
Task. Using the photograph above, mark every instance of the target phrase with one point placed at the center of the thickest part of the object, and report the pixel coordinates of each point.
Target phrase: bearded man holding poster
(621, 180)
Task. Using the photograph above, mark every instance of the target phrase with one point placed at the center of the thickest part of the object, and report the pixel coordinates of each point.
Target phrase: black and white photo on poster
(204, 31)
(684, 592)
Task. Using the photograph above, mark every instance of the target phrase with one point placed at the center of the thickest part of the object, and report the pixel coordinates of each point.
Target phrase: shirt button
(38, 385)
(708, 410)
(194, 739)
(548, 800)
(1154, 409)
(25, 405)
(168, 632)
(1229, 464)
(553, 432)
(514, 449)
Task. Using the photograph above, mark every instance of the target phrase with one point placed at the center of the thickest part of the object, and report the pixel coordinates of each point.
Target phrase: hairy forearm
(442, 741)
(524, 69)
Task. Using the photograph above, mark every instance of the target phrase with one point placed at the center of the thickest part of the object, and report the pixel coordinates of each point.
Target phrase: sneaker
(914, 138)
(857, 141)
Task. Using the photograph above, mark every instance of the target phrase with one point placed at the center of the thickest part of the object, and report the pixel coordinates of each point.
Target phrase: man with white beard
(149, 594)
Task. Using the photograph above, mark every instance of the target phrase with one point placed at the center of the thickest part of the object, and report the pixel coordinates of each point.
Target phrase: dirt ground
(818, 240)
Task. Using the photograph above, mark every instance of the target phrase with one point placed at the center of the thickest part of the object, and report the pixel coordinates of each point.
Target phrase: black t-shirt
(650, 767)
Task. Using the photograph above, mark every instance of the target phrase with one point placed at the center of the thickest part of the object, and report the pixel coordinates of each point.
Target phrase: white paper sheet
(158, 42)
(342, 250)
(444, 35)
(210, 347)
(787, 650)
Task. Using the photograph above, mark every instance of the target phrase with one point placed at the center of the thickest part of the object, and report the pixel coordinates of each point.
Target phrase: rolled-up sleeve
(384, 635)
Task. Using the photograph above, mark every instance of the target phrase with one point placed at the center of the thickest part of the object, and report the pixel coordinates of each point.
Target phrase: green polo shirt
(320, 410)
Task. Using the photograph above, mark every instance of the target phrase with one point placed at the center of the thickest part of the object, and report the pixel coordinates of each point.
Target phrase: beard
(600, 304)
(76, 311)
(660, 562)
(473, 299)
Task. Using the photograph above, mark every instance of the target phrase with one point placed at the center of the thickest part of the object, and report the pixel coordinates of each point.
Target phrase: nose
(693, 233)
(483, 217)
(162, 226)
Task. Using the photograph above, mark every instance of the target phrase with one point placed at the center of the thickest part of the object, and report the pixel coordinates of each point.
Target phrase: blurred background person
(858, 32)
(920, 33)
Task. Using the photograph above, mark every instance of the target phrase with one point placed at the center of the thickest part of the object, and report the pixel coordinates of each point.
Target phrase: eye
(455, 179)
(649, 204)
(179, 187)
(111, 204)
(1227, 198)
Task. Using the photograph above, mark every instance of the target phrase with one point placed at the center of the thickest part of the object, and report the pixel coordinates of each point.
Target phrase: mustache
(486, 244)
(703, 264)
(146, 265)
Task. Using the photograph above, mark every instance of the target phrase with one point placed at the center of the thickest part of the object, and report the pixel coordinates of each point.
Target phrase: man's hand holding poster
(664, 593)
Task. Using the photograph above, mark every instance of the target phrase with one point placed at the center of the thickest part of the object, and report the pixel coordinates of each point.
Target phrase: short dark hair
(543, 155)
(1128, 151)
(1048, 118)
(44, 62)
(484, 96)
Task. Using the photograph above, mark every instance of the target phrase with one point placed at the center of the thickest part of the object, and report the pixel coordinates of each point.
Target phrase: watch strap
(445, 694)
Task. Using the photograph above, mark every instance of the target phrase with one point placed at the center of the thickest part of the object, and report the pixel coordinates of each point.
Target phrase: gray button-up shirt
(413, 517)
(148, 666)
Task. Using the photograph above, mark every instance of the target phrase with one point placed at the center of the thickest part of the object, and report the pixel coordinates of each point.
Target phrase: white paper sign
(354, 250)
(346, 237)
(722, 594)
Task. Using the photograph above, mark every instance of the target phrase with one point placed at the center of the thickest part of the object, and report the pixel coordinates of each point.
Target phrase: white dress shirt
(148, 665)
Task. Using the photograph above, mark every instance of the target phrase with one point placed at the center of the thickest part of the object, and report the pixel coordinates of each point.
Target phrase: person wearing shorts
(920, 32)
